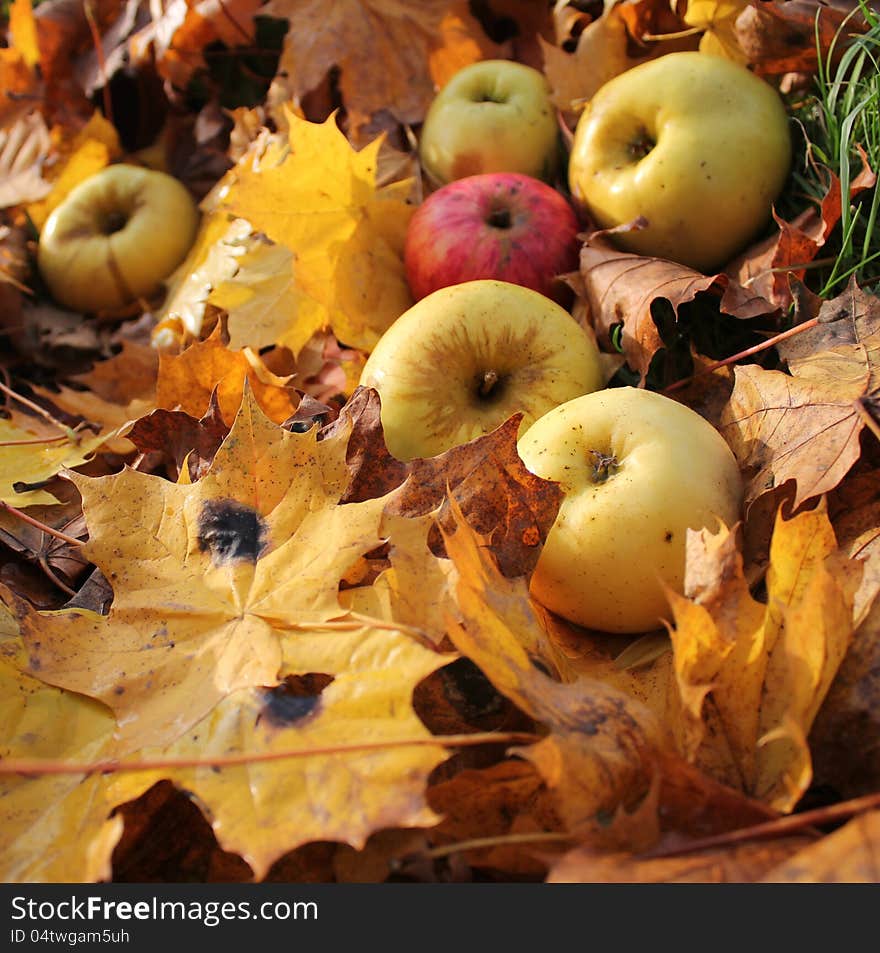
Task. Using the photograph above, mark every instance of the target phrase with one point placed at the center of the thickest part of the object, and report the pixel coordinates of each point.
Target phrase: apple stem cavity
(605, 465)
(488, 382)
(640, 145)
(499, 218)
(114, 222)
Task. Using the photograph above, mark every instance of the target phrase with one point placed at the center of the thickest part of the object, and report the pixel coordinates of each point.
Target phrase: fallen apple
(492, 116)
(638, 470)
(695, 144)
(115, 237)
(462, 360)
(502, 225)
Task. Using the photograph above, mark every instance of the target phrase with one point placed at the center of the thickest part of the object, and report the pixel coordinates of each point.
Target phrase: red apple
(500, 225)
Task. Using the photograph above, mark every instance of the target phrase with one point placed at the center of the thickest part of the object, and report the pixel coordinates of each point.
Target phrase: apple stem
(488, 382)
(605, 465)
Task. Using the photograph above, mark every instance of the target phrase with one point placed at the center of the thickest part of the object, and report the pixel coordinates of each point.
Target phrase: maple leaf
(717, 18)
(186, 381)
(207, 577)
(53, 828)
(806, 426)
(264, 809)
(264, 304)
(419, 47)
(619, 288)
(32, 452)
(605, 48)
(752, 676)
(318, 198)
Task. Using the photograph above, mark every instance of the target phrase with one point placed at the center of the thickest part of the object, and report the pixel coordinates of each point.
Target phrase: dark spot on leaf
(540, 665)
(119, 690)
(231, 532)
(297, 697)
(668, 537)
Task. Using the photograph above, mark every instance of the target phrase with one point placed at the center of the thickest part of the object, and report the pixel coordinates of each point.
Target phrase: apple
(462, 360)
(502, 225)
(695, 144)
(492, 116)
(115, 237)
(638, 470)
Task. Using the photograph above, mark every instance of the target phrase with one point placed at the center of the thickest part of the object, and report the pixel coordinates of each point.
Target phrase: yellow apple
(492, 116)
(638, 470)
(115, 237)
(695, 144)
(463, 359)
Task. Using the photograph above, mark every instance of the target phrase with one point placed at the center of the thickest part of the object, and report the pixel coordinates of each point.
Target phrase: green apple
(695, 144)
(492, 116)
(463, 359)
(638, 470)
(116, 237)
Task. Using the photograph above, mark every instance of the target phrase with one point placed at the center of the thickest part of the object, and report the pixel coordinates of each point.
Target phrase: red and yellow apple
(491, 116)
(695, 144)
(462, 360)
(501, 225)
(115, 237)
(638, 470)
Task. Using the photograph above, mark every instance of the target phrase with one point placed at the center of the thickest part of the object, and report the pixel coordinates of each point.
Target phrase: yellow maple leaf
(718, 19)
(208, 576)
(53, 828)
(263, 809)
(752, 676)
(264, 304)
(318, 198)
(32, 452)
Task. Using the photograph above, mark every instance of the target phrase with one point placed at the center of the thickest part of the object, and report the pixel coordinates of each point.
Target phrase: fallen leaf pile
(240, 641)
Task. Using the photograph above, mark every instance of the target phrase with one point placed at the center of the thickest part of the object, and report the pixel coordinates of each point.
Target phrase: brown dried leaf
(806, 427)
(497, 495)
(770, 267)
(419, 46)
(620, 287)
(781, 37)
(24, 146)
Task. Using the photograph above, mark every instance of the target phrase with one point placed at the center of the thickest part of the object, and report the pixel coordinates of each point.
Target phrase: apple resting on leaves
(695, 144)
(502, 225)
(492, 116)
(462, 360)
(638, 470)
(115, 237)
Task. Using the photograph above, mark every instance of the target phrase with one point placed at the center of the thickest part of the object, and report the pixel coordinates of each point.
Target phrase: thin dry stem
(46, 766)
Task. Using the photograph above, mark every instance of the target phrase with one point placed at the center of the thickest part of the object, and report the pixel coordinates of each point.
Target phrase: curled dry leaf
(620, 287)
(770, 267)
(781, 38)
(805, 426)
(23, 149)
(179, 438)
(753, 676)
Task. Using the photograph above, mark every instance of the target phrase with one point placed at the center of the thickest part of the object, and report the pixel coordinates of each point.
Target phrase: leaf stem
(47, 766)
(20, 514)
(748, 352)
